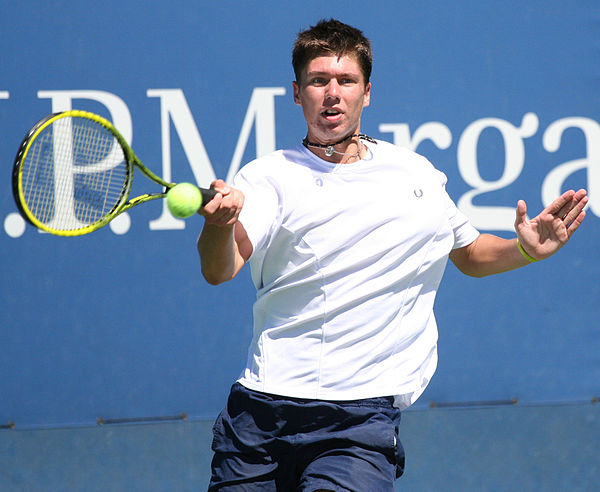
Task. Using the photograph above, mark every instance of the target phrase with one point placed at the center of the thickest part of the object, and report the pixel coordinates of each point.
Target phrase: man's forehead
(336, 64)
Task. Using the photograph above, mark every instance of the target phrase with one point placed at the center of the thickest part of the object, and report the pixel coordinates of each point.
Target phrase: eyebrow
(344, 74)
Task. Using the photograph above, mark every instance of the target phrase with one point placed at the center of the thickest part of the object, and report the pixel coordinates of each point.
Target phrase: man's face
(332, 93)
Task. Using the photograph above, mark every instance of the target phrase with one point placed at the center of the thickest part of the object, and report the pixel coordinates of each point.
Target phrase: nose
(333, 88)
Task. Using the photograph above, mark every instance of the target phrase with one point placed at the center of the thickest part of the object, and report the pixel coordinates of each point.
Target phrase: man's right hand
(225, 207)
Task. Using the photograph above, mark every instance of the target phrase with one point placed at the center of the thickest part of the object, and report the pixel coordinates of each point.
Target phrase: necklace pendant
(329, 151)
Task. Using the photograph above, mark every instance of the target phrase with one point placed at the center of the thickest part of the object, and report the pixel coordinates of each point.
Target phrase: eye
(318, 81)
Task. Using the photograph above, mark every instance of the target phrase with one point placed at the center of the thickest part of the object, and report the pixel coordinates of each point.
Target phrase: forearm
(488, 255)
(223, 244)
(220, 257)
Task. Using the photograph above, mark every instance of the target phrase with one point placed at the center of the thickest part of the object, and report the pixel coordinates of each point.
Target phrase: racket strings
(74, 174)
(36, 194)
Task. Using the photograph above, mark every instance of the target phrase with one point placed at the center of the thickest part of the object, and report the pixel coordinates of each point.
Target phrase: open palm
(545, 234)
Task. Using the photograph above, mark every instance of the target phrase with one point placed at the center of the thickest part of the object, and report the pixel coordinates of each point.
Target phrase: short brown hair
(332, 38)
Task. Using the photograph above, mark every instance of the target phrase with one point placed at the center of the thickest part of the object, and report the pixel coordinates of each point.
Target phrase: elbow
(217, 276)
(468, 262)
(474, 271)
(214, 278)
(470, 269)
(474, 274)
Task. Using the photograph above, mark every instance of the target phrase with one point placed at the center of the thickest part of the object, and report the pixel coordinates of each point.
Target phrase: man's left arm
(537, 238)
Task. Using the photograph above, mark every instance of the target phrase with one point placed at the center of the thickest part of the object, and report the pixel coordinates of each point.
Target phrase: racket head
(72, 173)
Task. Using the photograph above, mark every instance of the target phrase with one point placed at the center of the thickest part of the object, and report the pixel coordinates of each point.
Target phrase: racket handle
(207, 195)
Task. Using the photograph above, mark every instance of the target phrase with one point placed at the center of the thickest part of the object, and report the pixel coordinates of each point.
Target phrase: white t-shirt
(346, 262)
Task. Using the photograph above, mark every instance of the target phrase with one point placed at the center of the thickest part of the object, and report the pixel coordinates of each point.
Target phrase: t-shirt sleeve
(262, 205)
(464, 232)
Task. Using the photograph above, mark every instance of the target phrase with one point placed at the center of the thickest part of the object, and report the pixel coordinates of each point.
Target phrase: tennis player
(347, 238)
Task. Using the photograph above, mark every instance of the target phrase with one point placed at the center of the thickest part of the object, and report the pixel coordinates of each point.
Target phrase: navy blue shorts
(264, 442)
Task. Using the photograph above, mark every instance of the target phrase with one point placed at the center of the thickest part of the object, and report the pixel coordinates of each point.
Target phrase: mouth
(331, 113)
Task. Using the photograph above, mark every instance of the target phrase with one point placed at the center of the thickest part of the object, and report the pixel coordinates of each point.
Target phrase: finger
(573, 226)
(557, 205)
(219, 218)
(211, 209)
(571, 210)
(220, 186)
(575, 210)
(222, 210)
(213, 205)
(225, 217)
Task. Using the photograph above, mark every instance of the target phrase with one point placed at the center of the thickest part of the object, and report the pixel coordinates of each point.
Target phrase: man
(347, 239)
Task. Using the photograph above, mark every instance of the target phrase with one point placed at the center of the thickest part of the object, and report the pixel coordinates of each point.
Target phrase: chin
(332, 135)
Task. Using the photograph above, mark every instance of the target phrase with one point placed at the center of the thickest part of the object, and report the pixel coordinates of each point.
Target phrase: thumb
(220, 186)
(521, 213)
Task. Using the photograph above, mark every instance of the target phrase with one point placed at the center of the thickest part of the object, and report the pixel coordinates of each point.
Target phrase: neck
(329, 153)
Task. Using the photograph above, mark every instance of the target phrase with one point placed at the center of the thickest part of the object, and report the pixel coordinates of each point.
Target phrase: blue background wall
(501, 96)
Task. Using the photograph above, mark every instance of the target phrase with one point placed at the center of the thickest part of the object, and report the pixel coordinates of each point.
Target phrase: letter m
(174, 107)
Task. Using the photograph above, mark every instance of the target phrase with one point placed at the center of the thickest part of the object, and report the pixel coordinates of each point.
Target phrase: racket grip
(207, 195)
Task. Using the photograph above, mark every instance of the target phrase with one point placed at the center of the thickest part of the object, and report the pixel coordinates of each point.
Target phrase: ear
(296, 89)
(367, 96)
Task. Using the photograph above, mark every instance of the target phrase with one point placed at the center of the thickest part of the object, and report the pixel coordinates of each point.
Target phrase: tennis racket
(73, 174)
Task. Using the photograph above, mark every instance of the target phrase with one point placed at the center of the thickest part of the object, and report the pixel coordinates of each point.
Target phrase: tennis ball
(184, 200)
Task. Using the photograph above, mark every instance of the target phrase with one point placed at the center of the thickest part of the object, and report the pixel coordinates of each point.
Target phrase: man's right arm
(223, 245)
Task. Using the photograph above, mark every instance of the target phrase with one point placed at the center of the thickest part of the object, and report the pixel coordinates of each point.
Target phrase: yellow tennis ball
(184, 200)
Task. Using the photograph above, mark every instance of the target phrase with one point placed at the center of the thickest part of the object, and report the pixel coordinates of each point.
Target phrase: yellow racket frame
(123, 203)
